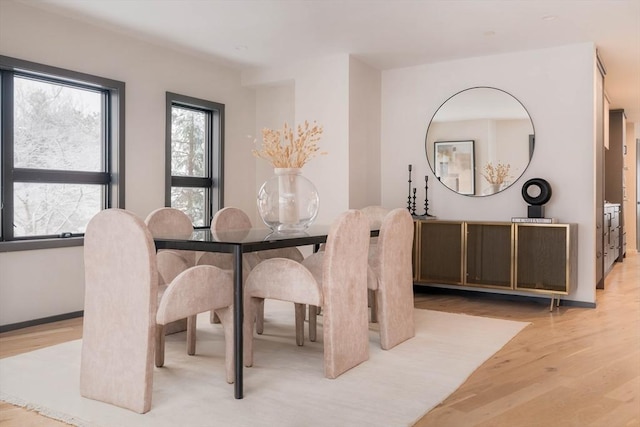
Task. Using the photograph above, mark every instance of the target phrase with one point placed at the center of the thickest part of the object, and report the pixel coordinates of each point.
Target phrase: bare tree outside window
(56, 127)
(62, 140)
(188, 158)
(194, 140)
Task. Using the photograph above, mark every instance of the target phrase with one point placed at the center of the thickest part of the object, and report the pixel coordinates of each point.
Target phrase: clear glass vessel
(288, 202)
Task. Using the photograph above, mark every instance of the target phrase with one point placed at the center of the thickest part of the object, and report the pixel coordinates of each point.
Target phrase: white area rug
(285, 387)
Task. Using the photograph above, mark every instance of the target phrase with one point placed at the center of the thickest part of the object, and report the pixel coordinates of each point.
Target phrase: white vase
(288, 201)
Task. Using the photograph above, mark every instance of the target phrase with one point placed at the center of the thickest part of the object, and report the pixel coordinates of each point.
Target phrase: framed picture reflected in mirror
(455, 165)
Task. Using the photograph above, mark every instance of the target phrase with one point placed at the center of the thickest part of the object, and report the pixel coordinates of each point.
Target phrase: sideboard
(502, 256)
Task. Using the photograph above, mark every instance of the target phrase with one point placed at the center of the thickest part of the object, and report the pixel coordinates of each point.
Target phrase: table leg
(238, 319)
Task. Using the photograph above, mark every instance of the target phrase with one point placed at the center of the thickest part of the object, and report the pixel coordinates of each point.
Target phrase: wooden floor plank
(570, 367)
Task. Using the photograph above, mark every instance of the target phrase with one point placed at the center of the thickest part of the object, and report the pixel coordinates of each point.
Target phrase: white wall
(343, 95)
(36, 284)
(555, 86)
(339, 92)
(275, 105)
(364, 135)
(322, 95)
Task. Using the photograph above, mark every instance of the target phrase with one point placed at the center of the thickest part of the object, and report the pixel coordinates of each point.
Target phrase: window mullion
(60, 177)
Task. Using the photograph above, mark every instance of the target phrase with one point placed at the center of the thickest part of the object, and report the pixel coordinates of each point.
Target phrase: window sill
(28, 245)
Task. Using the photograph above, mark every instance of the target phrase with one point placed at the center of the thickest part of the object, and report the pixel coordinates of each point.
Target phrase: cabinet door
(440, 252)
(489, 254)
(542, 258)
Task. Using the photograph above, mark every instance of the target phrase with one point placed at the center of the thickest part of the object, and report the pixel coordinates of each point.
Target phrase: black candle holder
(426, 197)
(411, 198)
(413, 206)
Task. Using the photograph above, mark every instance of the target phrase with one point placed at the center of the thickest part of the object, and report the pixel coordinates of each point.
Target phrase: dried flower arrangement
(294, 153)
(496, 174)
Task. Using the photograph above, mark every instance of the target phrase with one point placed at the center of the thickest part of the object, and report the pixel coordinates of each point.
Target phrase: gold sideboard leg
(551, 306)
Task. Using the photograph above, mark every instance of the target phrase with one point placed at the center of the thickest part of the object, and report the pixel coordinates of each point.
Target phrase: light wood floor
(570, 367)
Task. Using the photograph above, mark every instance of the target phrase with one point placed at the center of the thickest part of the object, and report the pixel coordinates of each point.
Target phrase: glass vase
(288, 202)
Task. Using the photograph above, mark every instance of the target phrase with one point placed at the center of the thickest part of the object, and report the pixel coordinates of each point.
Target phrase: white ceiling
(383, 33)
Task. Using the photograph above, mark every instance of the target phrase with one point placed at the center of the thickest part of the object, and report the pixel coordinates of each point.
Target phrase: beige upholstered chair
(121, 309)
(375, 214)
(391, 278)
(196, 290)
(337, 284)
(171, 222)
(232, 218)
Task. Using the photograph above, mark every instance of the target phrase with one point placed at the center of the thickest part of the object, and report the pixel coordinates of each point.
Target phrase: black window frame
(113, 177)
(213, 183)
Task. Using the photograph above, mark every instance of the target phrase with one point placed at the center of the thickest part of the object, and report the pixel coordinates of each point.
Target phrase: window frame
(113, 128)
(213, 183)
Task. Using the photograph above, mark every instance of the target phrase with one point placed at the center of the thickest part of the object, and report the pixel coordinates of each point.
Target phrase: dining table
(238, 242)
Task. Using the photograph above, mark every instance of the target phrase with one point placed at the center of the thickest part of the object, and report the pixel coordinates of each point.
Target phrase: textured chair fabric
(339, 286)
(196, 290)
(229, 219)
(375, 214)
(171, 222)
(121, 308)
(391, 278)
(121, 297)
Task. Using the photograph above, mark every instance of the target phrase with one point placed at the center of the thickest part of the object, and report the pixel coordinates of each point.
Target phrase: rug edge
(43, 410)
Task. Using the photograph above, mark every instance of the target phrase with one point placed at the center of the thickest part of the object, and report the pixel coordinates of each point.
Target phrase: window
(61, 157)
(194, 157)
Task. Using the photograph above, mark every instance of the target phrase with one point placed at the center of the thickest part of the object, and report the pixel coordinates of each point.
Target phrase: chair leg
(260, 319)
(300, 323)
(373, 303)
(191, 335)
(226, 319)
(248, 325)
(159, 346)
(313, 325)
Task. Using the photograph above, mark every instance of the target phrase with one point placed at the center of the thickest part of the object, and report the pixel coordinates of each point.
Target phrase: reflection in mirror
(480, 141)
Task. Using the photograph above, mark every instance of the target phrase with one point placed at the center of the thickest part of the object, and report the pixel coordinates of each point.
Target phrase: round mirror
(480, 141)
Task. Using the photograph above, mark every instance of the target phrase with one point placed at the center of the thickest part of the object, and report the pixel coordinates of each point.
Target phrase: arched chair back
(172, 222)
(121, 298)
(344, 289)
(230, 218)
(393, 283)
